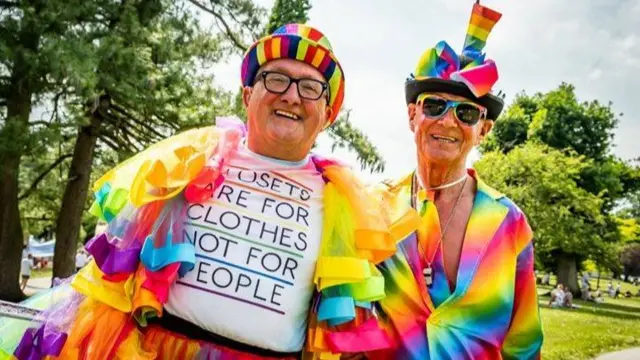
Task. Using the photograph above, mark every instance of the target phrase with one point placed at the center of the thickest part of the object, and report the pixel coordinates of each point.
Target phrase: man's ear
(487, 125)
(246, 95)
(411, 111)
(328, 112)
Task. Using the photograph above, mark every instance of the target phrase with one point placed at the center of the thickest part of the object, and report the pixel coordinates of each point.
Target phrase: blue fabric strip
(337, 310)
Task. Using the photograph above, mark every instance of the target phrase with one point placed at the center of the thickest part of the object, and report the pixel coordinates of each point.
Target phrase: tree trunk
(568, 273)
(13, 140)
(74, 199)
(11, 237)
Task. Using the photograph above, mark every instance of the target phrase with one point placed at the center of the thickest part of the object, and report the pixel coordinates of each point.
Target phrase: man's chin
(289, 134)
(437, 156)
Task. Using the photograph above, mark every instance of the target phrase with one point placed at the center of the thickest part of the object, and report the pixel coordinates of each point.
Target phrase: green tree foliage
(633, 206)
(629, 230)
(114, 76)
(510, 131)
(559, 120)
(586, 129)
(146, 86)
(32, 45)
(345, 135)
(544, 182)
(241, 21)
(564, 123)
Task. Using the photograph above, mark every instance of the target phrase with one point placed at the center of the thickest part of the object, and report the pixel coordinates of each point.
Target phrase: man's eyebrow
(284, 70)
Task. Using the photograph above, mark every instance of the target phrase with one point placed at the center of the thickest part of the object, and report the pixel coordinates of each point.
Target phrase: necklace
(453, 183)
(427, 270)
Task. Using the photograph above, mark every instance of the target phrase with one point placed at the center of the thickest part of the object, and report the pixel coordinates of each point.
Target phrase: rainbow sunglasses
(436, 107)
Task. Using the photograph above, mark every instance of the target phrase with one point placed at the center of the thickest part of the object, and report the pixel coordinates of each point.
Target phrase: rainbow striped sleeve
(524, 338)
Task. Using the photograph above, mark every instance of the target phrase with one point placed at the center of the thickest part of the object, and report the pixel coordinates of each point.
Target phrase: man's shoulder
(395, 185)
(175, 149)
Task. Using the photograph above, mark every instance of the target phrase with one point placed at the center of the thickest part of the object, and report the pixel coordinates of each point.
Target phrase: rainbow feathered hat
(470, 75)
(303, 43)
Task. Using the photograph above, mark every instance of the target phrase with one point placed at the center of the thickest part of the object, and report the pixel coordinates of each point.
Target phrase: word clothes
(257, 241)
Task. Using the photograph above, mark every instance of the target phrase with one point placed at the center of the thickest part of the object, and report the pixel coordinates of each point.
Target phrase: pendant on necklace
(427, 272)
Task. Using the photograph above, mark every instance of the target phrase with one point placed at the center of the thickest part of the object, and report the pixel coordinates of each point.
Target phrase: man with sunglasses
(462, 286)
(234, 242)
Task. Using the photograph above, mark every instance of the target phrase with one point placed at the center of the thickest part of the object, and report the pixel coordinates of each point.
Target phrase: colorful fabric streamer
(142, 254)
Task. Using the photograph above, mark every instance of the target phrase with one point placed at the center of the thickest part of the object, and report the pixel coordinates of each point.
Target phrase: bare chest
(453, 236)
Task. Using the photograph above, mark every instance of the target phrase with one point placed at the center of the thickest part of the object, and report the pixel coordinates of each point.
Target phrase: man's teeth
(444, 138)
(287, 114)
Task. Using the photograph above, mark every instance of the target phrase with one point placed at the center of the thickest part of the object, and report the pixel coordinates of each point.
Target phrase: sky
(593, 44)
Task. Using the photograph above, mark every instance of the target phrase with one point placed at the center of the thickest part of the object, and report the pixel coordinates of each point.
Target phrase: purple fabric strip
(35, 345)
(112, 260)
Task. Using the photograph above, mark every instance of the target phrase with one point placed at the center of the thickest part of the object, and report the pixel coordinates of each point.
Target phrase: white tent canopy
(41, 249)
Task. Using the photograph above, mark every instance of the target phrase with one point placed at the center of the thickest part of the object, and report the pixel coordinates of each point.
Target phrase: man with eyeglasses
(232, 241)
(462, 286)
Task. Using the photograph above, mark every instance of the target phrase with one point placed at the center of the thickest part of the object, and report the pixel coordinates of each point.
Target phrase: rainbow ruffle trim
(140, 255)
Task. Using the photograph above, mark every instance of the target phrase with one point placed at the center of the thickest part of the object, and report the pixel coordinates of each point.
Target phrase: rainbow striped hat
(303, 43)
(470, 75)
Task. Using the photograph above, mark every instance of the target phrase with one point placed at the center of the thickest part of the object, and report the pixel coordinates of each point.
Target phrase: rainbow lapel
(486, 218)
(411, 253)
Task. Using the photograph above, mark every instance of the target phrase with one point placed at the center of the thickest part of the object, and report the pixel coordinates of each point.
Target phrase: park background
(86, 84)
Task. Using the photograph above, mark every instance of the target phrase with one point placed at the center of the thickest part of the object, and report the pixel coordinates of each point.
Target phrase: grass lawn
(581, 333)
(592, 329)
(41, 273)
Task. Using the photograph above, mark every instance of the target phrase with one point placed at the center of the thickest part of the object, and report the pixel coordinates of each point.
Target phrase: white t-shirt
(257, 241)
(25, 267)
(559, 297)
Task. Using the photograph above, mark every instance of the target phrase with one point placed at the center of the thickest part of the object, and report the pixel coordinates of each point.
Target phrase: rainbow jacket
(140, 255)
(493, 311)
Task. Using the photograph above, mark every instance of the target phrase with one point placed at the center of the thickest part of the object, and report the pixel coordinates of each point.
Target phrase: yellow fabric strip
(478, 32)
(376, 244)
(89, 282)
(343, 268)
(404, 226)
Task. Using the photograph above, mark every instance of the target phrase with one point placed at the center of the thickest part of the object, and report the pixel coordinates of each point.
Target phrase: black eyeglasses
(466, 112)
(278, 83)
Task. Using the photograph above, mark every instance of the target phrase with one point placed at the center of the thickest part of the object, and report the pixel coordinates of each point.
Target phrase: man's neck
(436, 175)
(280, 153)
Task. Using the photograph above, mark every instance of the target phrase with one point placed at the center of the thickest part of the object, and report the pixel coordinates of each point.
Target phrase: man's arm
(524, 339)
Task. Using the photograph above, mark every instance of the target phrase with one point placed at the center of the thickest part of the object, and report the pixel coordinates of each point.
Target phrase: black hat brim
(413, 88)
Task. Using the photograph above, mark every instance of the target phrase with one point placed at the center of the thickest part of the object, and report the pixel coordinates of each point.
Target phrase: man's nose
(291, 96)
